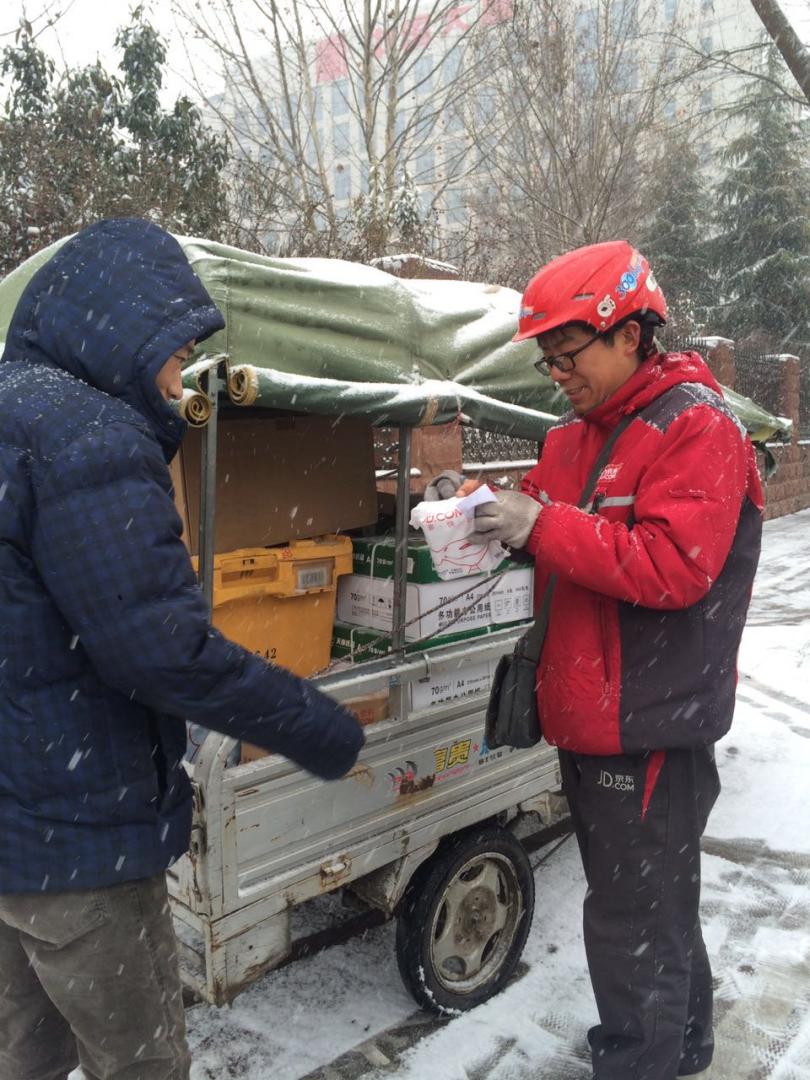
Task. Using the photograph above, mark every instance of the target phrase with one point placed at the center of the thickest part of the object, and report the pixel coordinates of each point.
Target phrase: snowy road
(344, 1012)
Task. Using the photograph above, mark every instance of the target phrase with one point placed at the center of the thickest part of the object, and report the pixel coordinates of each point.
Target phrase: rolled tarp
(194, 407)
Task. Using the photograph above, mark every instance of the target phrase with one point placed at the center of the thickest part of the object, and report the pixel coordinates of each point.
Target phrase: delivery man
(105, 648)
(638, 671)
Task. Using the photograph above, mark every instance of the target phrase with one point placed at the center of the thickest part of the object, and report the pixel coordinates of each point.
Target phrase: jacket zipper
(603, 628)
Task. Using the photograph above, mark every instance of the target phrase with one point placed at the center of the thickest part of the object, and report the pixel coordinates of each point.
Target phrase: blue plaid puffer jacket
(105, 643)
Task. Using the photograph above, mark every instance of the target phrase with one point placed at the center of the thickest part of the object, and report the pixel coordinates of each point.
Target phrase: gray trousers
(91, 978)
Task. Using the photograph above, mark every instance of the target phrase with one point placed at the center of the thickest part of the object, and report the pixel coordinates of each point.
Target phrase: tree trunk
(795, 55)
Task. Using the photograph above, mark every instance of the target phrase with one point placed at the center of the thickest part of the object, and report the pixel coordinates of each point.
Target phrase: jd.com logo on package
(447, 526)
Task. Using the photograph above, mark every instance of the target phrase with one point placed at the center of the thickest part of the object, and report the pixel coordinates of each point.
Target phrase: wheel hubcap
(475, 923)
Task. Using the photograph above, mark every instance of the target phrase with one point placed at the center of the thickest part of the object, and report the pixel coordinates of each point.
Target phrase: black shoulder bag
(512, 717)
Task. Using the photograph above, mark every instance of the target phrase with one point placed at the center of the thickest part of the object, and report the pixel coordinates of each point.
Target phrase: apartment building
(354, 109)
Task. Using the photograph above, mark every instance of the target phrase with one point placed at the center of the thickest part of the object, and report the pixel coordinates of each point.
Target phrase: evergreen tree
(763, 220)
(87, 144)
(375, 228)
(369, 221)
(675, 237)
(407, 227)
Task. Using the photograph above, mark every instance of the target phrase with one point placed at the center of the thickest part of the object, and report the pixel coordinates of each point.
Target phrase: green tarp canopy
(339, 338)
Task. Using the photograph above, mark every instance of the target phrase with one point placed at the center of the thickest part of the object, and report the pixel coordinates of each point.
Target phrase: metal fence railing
(760, 377)
(488, 447)
(681, 343)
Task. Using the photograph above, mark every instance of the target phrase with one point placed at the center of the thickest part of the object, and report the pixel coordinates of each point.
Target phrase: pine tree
(763, 220)
(407, 227)
(369, 220)
(674, 238)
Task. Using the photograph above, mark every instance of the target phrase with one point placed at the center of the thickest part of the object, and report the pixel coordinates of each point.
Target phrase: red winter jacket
(653, 588)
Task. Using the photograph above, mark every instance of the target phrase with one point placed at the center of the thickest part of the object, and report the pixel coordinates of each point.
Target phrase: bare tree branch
(787, 41)
(300, 72)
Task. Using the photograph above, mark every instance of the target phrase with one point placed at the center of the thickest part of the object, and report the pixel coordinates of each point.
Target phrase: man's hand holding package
(510, 518)
(443, 486)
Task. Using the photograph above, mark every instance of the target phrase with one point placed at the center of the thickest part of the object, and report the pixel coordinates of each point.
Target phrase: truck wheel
(464, 920)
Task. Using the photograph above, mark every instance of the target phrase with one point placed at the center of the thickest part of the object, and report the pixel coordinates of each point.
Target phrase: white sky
(87, 29)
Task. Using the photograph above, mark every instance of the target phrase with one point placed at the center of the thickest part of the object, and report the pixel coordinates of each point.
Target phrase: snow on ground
(756, 908)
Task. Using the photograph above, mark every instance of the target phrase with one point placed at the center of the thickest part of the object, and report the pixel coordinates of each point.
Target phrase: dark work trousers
(638, 820)
(91, 976)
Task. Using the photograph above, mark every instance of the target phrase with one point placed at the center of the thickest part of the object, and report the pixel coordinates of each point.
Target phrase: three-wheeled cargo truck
(423, 826)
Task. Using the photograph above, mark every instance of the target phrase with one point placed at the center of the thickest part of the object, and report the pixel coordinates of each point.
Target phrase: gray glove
(443, 486)
(509, 519)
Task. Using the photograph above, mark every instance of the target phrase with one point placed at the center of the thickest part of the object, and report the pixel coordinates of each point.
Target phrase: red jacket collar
(654, 376)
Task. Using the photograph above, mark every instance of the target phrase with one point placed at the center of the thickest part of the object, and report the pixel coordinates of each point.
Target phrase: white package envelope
(447, 525)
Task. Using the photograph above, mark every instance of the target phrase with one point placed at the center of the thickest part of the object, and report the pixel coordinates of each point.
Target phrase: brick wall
(788, 490)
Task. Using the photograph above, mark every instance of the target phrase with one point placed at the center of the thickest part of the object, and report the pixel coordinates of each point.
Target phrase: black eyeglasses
(565, 361)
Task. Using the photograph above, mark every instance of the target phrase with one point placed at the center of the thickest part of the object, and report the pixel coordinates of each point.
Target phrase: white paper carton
(368, 601)
(470, 679)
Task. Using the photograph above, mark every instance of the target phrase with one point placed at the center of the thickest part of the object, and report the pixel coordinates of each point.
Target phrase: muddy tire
(464, 920)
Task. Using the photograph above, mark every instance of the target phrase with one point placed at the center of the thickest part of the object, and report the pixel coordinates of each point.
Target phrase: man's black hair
(649, 322)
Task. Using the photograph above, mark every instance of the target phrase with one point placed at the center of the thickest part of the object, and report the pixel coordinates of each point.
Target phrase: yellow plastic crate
(280, 602)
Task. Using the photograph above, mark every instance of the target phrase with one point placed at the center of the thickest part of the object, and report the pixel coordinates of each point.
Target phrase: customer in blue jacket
(105, 648)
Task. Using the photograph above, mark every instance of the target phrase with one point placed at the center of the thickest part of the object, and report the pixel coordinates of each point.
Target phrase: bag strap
(532, 641)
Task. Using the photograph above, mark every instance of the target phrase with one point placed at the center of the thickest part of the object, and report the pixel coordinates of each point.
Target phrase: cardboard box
(348, 640)
(374, 556)
(279, 478)
(249, 752)
(368, 601)
(469, 679)
(370, 708)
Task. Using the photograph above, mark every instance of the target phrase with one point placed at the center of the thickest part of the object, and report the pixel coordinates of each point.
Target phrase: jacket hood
(110, 308)
(653, 377)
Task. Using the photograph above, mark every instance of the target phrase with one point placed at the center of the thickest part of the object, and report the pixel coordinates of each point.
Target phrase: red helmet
(600, 285)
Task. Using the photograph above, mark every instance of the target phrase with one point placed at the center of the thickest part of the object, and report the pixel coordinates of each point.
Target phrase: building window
(454, 154)
(343, 182)
(454, 205)
(424, 166)
(485, 103)
(706, 44)
(669, 109)
(451, 64)
(341, 140)
(706, 101)
(454, 117)
(340, 97)
(670, 9)
(424, 126)
(423, 74)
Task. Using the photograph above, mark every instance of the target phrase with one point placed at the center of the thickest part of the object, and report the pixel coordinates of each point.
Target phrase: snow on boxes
(436, 612)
